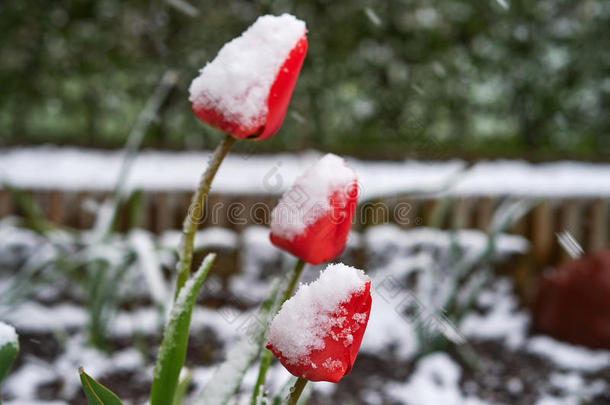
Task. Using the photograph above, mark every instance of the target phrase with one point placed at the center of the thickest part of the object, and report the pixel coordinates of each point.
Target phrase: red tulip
(313, 219)
(318, 332)
(246, 89)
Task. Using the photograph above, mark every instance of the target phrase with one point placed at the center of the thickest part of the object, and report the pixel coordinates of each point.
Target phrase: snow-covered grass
(503, 320)
(432, 260)
(23, 383)
(16, 243)
(567, 356)
(434, 381)
(393, 257)
(34, 317)
(150, 266)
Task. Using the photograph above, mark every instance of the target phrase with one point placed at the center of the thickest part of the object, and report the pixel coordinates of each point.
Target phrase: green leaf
(228, 377)
(95, 392)
(181, 389)
(172, 351)
(33, 214)
(267, 356)
(259, 387)
(9, 348)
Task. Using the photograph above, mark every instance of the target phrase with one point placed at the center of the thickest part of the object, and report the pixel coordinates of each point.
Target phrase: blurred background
(486, 79)
(480, 132)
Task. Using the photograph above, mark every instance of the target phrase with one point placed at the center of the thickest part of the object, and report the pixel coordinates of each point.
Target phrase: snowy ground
(498, 361)
(82, 169)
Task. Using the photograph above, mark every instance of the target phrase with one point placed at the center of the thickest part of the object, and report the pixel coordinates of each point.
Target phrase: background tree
(382, 78)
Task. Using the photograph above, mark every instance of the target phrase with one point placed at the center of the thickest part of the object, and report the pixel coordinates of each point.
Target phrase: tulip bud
(317, 333)
(313, 219)
(246, 89)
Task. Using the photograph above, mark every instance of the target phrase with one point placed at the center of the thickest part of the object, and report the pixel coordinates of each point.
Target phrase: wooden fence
(586, 219)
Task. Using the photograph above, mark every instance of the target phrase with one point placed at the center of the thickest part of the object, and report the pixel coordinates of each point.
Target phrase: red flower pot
(246, 89)
(318, 332)
(573, 302)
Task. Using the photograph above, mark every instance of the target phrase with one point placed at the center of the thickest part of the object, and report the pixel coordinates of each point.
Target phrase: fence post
(461, 213)
(484, 212)
(542, 233)
(55, 210)
(598, 238)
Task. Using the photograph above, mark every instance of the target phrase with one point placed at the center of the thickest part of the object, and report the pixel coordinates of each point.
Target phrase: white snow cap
(237, 82)
(308, 199)
(7, 335)
(308, 317)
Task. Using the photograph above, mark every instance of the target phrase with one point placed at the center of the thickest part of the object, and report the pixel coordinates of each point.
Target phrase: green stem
(296, 391)
(267, 356)
(294, 278)
(195, 212)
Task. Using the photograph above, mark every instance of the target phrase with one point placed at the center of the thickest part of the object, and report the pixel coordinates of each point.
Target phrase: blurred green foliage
(388, 78)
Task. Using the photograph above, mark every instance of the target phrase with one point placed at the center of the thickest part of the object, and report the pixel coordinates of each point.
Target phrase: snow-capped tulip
(313, 218)
(246, 89)
(318, 332)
